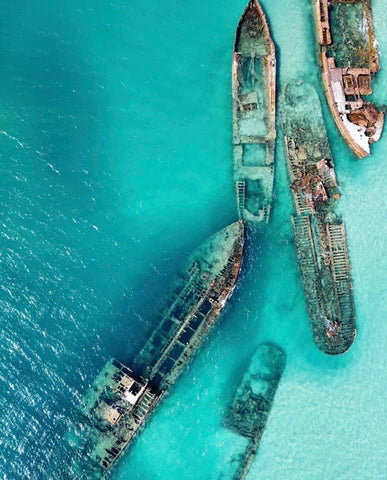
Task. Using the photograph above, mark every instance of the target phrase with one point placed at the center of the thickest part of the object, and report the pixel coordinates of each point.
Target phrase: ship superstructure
(318, 230)
(254, 106)
(349, 60)
(115, 407)
(122, 398)
(251, 405)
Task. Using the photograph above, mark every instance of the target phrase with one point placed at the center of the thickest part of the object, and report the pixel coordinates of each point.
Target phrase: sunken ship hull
(349, 60)
(253, 114)
(319, 232)
(122, 398)
(251, 405)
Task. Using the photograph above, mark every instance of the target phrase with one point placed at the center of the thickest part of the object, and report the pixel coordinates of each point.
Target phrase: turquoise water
(115, 149)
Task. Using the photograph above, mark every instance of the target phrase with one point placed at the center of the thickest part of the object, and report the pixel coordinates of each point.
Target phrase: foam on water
(116, 163)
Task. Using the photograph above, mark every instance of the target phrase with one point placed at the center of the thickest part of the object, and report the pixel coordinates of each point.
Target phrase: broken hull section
(349, 60)
(254, 105)
(122, 398)
(319, 232)
(250, 408)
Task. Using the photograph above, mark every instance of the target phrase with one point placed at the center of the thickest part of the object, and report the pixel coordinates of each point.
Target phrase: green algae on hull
(349, 60)
(121, 399)
(318, 230)
(199, 294)
(251, 405)
(350, 35)
(253, 107)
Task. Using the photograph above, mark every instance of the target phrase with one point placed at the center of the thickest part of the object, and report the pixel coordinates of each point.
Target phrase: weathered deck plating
(250, 408)
(121, 399)
(319, 233)
(253, 106)
(202, 292)
(359, 122)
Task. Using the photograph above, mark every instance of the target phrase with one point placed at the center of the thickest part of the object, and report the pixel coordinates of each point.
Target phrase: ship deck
(325, 270)
(121, 399)
(250, 407)
(200, 294)
(349, 60)
(253, 94)
(318, 231)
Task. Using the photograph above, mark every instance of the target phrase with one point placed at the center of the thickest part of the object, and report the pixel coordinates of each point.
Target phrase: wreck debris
(250, 408)
(121, 399)
(349, 60)
(114, 409)
(253, 114)
(318, 231)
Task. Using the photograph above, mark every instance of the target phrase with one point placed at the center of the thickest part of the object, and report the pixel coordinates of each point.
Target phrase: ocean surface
(116, 162)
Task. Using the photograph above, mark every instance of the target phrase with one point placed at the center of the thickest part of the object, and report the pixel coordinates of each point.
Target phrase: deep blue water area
(105, 188)
(116, 162)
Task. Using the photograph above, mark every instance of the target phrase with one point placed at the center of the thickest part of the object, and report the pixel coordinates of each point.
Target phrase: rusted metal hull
(253, 114)
(251, 405)
(122, 399)
(319, 232)
(347, 75)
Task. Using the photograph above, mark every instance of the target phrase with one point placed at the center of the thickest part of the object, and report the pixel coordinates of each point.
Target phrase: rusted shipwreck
(122, 398)
(349, 60)
(251, 405)
(253, 114)
(318, 230)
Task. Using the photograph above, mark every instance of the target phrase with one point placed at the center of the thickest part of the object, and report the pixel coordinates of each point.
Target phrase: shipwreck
(318, 230)
(251, 405)
(349, 60)
(253, 114)
(122, 398)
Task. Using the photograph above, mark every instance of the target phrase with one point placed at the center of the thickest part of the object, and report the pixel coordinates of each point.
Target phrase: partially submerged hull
(200, 293)
(349, 60)
(114, 410)
(254, 105)
(318, 231)
(251, 405)
(121, 399)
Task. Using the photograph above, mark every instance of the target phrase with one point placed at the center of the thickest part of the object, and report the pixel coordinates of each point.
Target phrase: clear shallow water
(116, 163)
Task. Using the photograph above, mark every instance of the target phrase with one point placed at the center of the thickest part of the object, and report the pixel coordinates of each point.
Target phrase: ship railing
(241, 196)
(168, 347)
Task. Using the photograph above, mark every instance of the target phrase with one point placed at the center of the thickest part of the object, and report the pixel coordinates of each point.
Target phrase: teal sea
(116, 162)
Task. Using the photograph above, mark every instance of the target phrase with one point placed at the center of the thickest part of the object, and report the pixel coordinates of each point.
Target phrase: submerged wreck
(318, 231)
(349, 60)
(253, 114)
(250, 408)
(122, 398)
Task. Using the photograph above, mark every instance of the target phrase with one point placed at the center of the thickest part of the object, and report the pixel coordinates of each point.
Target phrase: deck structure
(201, 292)
(253, 114)
(122, 398)
(319, 232)
(349, 60)
(251, 405)
(115, 408)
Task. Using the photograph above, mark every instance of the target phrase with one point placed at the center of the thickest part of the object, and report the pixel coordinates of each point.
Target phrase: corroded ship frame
(358, 121)
(122, 398)
(318, 230)
(254, 179)
(249, 410)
